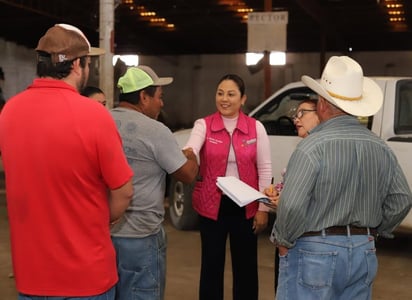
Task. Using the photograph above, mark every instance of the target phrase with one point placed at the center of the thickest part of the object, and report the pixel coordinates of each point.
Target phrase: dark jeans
(109, 295)
(231, 223)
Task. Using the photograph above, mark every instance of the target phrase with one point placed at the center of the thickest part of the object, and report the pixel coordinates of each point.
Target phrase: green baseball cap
(138, 78)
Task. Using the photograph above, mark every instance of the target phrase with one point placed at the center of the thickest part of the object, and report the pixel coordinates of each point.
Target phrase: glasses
(299, 114)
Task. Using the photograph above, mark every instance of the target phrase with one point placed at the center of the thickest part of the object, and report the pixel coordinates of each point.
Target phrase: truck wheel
(182, 214)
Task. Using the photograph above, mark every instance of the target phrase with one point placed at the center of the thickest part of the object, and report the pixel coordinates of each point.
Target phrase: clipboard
(240, 192)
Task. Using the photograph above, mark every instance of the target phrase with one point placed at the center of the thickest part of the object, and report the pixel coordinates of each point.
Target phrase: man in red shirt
(67, 176)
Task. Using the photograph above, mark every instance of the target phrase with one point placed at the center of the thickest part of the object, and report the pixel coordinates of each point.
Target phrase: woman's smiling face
(229, 99)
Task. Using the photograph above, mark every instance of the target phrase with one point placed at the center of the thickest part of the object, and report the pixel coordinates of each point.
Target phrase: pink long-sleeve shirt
(264, 162)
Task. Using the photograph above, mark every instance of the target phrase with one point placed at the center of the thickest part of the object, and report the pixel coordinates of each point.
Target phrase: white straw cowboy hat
(343, 84)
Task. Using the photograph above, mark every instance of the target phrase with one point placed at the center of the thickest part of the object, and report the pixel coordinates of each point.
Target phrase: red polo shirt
(61, 152)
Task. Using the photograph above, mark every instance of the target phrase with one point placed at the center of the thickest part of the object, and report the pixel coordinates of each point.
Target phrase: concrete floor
(393, 280)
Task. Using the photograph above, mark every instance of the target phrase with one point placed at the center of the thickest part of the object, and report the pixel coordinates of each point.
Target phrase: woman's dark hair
(46, 68)
(236, 79)
(91, 90)
(134, 97)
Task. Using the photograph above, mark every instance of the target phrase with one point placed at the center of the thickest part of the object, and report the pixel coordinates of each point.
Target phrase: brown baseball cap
(66, 42)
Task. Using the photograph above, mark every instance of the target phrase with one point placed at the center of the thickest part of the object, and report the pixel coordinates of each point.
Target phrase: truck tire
(182, 215)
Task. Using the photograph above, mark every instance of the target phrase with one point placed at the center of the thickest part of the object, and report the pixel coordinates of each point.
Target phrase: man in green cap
(152, 152)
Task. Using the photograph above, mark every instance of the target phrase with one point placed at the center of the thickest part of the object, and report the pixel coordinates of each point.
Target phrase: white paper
(241, 193)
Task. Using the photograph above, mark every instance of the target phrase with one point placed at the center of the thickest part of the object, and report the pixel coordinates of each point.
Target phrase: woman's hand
(273, 195)
(260, 221)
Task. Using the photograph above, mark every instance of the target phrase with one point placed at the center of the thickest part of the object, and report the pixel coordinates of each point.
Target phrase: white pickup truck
(393, 123)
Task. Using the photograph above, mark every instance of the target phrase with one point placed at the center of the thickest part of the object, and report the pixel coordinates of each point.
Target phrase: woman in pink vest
(229, 143)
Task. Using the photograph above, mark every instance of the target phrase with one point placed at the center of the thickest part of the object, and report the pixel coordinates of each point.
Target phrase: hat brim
(163, 81)
(368, 105)
(96, 51)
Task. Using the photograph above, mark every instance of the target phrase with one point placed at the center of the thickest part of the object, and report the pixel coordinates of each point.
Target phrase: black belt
(343, 230)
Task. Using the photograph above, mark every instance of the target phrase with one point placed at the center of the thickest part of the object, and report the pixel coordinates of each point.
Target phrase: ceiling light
(245, 10)
(147, 13)
(394, 5)
(396, 12)
(397, 19)
(277, 58)
(253, 58)
(154, 19)
(157, 20)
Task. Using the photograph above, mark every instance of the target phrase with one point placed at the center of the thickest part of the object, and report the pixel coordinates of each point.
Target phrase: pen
(271, 185)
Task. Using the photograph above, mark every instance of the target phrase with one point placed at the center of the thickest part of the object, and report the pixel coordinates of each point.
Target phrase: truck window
(403, 107)
(276, 115)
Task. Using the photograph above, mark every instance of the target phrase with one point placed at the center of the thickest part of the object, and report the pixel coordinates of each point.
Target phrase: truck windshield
(276, 114)
(403, 107)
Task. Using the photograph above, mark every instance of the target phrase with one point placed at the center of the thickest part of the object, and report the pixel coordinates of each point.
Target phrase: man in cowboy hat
(343, 186)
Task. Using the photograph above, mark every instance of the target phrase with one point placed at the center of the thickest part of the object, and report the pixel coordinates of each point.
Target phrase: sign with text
(267, 31)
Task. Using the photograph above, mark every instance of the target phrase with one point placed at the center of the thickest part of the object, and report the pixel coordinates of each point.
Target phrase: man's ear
(143, 97)
(321, 106)
(76, 66)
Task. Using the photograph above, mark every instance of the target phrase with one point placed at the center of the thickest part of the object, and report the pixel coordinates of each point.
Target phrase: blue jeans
(334, 267)
(141, 264)
(109, 295)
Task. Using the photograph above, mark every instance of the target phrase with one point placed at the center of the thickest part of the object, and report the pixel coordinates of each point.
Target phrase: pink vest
(213, 161)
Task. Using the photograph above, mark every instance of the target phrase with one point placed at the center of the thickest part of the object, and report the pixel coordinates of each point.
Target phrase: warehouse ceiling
(217, 26)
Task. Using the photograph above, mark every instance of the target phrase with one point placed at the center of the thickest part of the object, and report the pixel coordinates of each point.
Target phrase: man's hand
(188, 152)
(283, 250)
